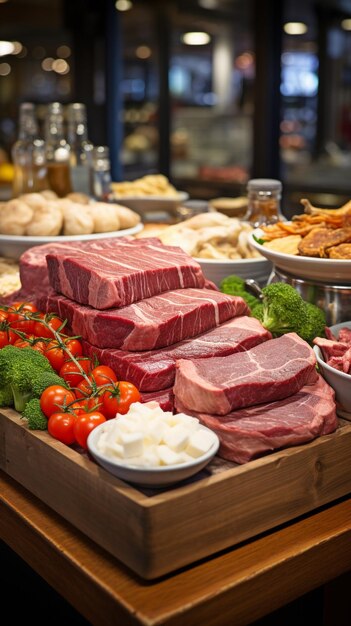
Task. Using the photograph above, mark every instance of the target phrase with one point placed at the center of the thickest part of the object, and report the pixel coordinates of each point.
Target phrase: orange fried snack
(342, 251)
(318, 240)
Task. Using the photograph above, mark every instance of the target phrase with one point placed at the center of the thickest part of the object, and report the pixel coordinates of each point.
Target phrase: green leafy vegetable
(34, 415)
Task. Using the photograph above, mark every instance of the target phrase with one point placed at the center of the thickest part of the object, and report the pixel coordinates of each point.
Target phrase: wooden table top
(236, 587)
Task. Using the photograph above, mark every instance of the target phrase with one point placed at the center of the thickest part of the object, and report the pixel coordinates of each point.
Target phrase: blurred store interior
(265, 93)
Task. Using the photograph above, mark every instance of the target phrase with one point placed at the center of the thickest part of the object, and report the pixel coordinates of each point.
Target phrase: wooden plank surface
(237, 587)
(155, 533)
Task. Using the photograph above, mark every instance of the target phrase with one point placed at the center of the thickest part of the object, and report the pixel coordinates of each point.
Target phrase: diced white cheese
(200, 442)
(132, 444)
(168, 456)
(177, 438)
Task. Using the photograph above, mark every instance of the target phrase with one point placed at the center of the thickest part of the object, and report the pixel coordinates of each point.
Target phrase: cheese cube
(200, 442)
(168, 456)
(132, 444)
(177, 438)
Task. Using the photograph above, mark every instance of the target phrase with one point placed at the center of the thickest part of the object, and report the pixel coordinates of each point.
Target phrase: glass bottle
(264, 196)
(28, 154)
(81, 148)
(57, 150)
(101, 174)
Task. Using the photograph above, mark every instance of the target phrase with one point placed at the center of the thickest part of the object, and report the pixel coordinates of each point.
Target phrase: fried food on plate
(286, 245)
(318, 240)
(309, 208)
(342, 251)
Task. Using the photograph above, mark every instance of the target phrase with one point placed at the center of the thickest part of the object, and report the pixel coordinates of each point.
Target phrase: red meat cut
(154, 370)
(152, 323)
(164, 398)
(129, 271)
(271, 371)
(249, 433)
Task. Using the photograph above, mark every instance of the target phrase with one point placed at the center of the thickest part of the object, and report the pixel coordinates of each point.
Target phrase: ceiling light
(196, 38)
(60, 66)
(123, 5)
(47, 64)
(64, 52)
(143, 52)
(208, 4)
(295, 28)
(17, 47)
(6, 47)
(346, 24)
(5, 69)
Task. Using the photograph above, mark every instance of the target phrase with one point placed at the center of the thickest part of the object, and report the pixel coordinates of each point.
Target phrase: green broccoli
(19, 367)
(44, 379)
(6, 397)
(34, 415)
(283, 310)
(235, 286)
(315, 325)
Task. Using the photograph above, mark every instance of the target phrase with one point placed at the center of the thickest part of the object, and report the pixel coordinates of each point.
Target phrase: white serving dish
(151, 477)
(216, 270)
(339, 381)
(145, 204)
(333, 271)
(12, 246)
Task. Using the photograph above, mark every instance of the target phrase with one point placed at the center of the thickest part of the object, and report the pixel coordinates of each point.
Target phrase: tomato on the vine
(54, 398)
(118, 398)
(16, 316)
(71, 373)
(84, 424)
(30, 341)
(86, 405)
(3, 315)
(42, 330)
(7, 336)
(61, 426)
(85, 388)
(103, 375)
(74, 346)
(55, 355)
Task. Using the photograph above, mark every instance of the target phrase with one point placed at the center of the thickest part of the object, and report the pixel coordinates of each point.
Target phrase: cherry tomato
(61, 426)
(74, 346)
(118, 398)
(31, 341)
(54, 398)
(55, 355)
(3, 315)
(71, 373)
(85, 405)
(84, 424)
(41, 330)
(16, 316)
(103, 375)
(84, 389)
(7, 336)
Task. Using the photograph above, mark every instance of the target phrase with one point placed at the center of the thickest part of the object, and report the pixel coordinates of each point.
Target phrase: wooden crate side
(95, 502)
(243, 502)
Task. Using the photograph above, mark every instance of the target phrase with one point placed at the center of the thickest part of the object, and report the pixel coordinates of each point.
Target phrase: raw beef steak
(271, 371)
(128, 272)
(165, 398)
(155, 370)
(249, 433)
(152, 323)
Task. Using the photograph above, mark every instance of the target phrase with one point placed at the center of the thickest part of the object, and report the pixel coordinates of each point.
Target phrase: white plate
(215, 270)
(332, 271)
(12, 246)
(151, 477)
(144, 204)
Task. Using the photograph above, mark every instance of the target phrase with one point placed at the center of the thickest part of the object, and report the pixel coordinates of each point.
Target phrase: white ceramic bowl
(339, 381)
(151, 477)
(12, 246)
(334, 271)
(215, 270)
(145, 204)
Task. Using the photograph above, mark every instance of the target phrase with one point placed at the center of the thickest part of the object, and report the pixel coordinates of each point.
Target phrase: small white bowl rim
(329, 368)
(163, 469)
(233, 261)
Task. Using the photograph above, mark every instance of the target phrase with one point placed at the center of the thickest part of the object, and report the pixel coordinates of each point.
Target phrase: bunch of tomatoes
(93, 394)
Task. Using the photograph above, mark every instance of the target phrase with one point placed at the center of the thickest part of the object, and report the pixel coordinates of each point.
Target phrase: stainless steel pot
(335, 300)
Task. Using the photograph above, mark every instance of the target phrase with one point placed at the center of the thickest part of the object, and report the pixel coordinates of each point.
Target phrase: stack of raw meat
(270, 397)
(147, 310)
(139, 306)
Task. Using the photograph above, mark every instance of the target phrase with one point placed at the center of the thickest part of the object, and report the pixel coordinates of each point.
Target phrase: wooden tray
(156, 532)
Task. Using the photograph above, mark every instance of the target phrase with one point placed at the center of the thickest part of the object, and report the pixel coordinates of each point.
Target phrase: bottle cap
(264, 184)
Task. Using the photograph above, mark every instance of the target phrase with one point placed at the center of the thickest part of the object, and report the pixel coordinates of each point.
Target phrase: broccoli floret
(284, 309)
(235, 286)
(6, 397)
(315, 323)
(34, 415)
(18, 368)
(44, 379)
